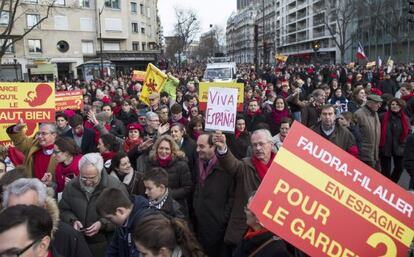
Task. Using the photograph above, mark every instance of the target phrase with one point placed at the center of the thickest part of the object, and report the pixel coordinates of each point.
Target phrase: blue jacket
(122, 244)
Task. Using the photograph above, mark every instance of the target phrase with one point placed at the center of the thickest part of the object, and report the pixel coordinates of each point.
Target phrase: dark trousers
(386, 167)
(411, 185)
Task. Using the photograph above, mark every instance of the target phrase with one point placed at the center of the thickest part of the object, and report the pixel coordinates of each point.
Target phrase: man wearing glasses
(39, 161)
(26, 230)
(78, 203)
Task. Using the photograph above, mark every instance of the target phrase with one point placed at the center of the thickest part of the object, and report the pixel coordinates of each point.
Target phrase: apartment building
(68, 43)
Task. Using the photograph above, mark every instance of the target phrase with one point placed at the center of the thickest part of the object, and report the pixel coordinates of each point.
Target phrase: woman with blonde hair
(166, 154)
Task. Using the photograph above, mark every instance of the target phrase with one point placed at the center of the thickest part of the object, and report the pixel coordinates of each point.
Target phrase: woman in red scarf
(67, 154)
(394, 131)
(135, 131)
(280, 110)
(108, 146)
(239, 142)
(166, 154)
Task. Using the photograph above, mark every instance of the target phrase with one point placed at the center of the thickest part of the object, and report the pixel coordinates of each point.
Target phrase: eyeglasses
(259, 144)
(17, 253)
(89, 179)
(56, 152)
(44, 133)
(154, 120)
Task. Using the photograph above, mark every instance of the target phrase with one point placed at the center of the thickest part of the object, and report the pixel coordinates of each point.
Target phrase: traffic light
(316, 46)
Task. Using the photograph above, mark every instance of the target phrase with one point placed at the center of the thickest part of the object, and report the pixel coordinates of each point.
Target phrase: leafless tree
(210, 43)
(14, 11)
(187, 28)
(338, 16)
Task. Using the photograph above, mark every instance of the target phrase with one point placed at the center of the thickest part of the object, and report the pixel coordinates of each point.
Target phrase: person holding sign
(248, 173)
(38, 151)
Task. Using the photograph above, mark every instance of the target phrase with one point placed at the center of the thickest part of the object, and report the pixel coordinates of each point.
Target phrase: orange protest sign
(327, 203)
(32, 102)
(69, 100)
(138, 75)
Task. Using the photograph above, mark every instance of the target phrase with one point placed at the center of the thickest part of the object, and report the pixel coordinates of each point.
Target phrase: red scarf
(196, 134)
(237, 133)
(108, 155)
(407, 97)
(130, 143)
(164, 162)
(278, 115)
(252, 233)
(384, 126)
(262, 168)
(41, 162)
(257, 113)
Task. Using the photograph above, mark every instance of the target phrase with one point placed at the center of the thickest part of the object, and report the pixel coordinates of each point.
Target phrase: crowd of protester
(122, 178)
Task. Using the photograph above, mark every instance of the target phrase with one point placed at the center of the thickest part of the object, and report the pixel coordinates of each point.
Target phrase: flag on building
(138, 75)
(153, 83)
(360, 55)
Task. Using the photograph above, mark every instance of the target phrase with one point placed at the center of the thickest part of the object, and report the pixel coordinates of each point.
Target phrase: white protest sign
(221, 109)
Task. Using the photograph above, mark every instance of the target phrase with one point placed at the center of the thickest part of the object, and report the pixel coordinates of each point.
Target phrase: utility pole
(100, 43)
(263, 32)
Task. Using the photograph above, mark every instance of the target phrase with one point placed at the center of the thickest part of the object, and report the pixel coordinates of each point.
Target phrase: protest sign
(221, 109)
(203, 93)
(32, 102)
(154, 82)
(138, 75)
(69, 100)
(327, 203)
(281, 58)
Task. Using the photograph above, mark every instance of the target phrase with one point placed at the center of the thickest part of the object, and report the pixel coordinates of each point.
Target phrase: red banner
(69, 100)
(328, 203)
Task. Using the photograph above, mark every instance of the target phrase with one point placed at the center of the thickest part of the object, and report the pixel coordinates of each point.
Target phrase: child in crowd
(156, 189)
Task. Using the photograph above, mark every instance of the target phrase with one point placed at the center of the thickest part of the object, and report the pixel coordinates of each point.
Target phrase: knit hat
(135, 126)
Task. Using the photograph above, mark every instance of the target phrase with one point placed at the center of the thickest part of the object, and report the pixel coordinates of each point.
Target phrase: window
(4, 18)
(32, 20)
(113, 24)
(31, 1)
(134, 27)
(9, 49)
(61, 23)
(87, 47)
(143, 46)
(86, 24)
(142, 30)
(60, 2)
(35, 45)
(133, 7)
(84, 3)
(135, 46)
(141, 6)
(149, 12)
(113, 46)
(112, 4)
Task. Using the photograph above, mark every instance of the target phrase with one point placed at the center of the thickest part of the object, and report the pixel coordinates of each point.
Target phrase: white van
(220, 70)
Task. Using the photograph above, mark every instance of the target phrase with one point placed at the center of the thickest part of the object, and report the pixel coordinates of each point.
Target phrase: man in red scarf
(254, 115)
(248, 174)
(39, 161)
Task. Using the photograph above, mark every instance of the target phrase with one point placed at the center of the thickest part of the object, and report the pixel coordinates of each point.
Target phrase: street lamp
(212, 40)
(100, 42)
(15, 67)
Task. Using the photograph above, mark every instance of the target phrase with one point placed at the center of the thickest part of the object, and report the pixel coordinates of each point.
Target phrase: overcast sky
(209, 12)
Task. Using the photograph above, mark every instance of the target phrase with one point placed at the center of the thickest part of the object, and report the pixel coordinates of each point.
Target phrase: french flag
(360, 55)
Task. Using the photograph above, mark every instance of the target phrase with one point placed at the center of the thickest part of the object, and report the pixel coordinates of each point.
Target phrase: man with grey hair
(248, 174)
(39, 160)
(78, 204)
(152, 125)
(30, 191)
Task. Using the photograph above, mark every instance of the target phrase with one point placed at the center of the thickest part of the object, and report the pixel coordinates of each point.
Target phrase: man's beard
(88, 189)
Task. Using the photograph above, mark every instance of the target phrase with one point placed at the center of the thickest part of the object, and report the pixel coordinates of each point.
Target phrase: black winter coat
(252, 121)
(189, 148)
(276, 248)
(179, 177)
(239, 146)
(394, 129)
(127, 117)
(88, 144)
(408, 160)
(212, 204)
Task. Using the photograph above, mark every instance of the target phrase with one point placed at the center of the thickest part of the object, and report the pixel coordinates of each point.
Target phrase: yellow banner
(358, 205)
(138, 75)
(204, 86)
(153, 83)
(281, 58)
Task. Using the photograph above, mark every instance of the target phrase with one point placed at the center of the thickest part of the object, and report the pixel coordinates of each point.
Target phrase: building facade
(128, 31)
